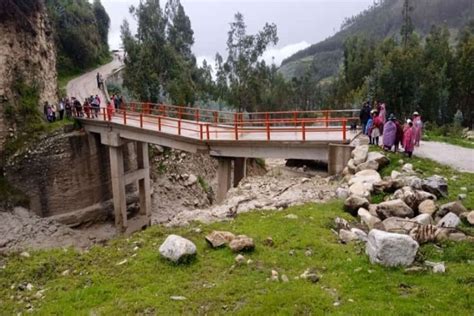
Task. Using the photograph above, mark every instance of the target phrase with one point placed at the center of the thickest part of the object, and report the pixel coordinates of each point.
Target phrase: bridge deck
(272, 134)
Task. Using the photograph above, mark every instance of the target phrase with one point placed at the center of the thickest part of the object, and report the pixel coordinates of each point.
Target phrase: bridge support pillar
(223, 177)
(240, 170)
(120, 179)
(338, 156)
(117, 176)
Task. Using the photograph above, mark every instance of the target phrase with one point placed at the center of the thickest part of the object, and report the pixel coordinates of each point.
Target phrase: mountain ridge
(378, 22)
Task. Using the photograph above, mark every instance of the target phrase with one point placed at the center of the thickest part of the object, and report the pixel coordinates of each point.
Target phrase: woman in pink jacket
(409, 138)
(418, 128)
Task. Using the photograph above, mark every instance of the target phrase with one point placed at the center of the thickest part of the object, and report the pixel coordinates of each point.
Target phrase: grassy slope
(145, 283)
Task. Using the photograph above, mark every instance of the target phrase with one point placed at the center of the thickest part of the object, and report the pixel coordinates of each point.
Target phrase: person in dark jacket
(364, 115)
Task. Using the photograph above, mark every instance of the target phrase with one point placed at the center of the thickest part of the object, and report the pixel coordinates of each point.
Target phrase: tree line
(432, 75)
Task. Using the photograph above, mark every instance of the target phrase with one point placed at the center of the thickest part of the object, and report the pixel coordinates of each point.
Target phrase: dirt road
(86, 85)
(454, 156)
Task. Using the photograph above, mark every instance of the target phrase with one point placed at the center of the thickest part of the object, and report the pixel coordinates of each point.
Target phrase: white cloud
(278, 54)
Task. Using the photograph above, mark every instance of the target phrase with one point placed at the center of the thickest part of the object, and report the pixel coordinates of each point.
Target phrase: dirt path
(454, 156)
(86, 85)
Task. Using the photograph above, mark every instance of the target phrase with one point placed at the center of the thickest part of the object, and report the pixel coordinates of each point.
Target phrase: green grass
(97, 285)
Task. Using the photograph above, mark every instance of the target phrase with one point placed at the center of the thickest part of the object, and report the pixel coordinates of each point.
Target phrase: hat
(409, 121)
(392, 117)
(416, 113)
(373, 111)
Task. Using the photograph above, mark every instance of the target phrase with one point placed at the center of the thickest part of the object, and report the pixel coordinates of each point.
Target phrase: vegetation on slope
(128, 274)
(81, 34)
(382, 20)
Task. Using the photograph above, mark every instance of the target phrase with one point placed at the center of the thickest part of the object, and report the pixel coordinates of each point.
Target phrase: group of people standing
(375, 125)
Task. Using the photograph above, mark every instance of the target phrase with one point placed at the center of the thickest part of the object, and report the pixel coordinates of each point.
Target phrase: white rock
(366, 176)
(395, 174)
(391, 249)
(177, 298)
(427, 207)
(423, 219)
(367, 218)
(380, 158)
(291, 216)
(450, 220)
(342, 193)
(25, 254)
(398, 225)
(359, 154)
(368, 165)
(408, 168)
(346, 236)
(176, 248)
(470, 217)
(239, 259)
(284, 278)
(361, 235)
(394, 208)
(192, 179)
(274, 276)
(360, 189)
(29, 286)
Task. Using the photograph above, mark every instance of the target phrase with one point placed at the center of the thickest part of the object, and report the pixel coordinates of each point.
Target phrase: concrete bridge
(230, 137)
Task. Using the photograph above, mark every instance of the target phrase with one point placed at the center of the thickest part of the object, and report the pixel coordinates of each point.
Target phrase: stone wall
(26, 50)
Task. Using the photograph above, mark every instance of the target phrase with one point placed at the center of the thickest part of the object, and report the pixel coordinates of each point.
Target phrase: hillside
(378, 22)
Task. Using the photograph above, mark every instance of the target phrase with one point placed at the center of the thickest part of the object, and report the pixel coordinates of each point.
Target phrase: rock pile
(268, 192)
(408, 217)
(236, 243)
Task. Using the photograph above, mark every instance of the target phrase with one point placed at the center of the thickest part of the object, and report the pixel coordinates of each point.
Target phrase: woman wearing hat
(418, 127)
(377, 126)
(390, 133)
(409, 138)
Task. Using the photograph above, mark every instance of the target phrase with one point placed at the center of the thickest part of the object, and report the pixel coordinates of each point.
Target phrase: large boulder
(452, 207)
(413, 198)
(342, 193)
(219, 238)
(380, 158)
(353, 203)
(177, 248)
(359, 154)
(394, 208)
(360, 189)
(427, 207)
(436, 185)
(398, 225)
(368, 165)
(368, 177)
(390, 249)
(450, 220)
(367, 218)
(242, 243)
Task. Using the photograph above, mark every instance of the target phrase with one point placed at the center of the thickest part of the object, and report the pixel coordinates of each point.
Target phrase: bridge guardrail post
(326, 114)
(141, 120)
(200, 132)
(208, 134)
(344, 129)
(124, 117)
(179, 127)
(159, 123)
(303, 130)
(268, 129)
(236, 129)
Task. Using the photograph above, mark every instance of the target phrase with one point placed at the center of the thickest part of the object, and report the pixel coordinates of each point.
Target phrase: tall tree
(179, 31)
(243, 66)
(407, 26)
(103, 22)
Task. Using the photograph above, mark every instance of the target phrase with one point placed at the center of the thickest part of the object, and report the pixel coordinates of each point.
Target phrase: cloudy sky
(300, 22)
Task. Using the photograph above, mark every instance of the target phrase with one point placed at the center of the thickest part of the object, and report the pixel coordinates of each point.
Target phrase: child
(368, 129)
(377, 126)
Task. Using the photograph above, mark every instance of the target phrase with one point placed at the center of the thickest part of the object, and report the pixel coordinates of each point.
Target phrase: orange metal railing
(206, 124)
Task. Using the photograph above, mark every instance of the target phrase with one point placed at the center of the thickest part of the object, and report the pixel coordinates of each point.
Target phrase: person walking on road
(418, 127)
(61, 107)
(98, 80)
